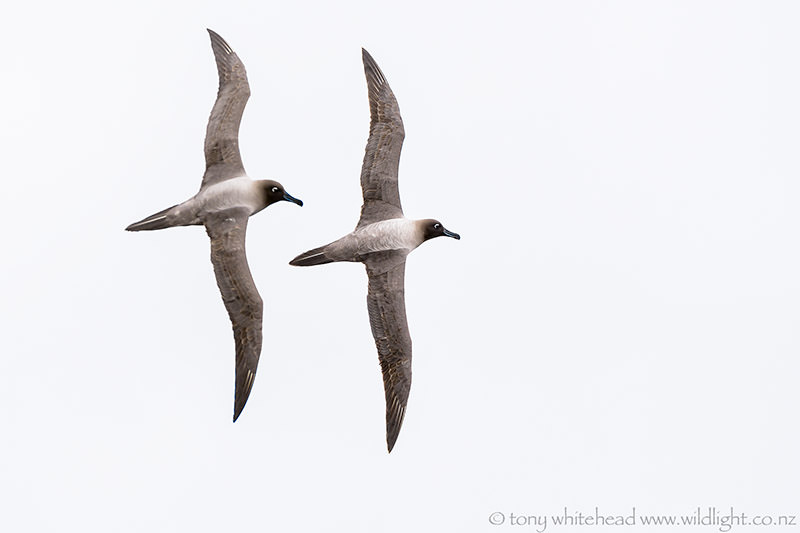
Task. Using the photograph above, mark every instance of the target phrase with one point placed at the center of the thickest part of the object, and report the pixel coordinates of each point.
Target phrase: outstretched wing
(245, 307)
(382, 156)
(223, 160)
(387, 317)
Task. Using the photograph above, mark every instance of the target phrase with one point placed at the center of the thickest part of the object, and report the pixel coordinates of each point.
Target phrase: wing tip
(217, 42)
(238, 404)
(395, 413)
(390, 441)
(238, 407)
(375, 76)
(242, 393)
(366, 56)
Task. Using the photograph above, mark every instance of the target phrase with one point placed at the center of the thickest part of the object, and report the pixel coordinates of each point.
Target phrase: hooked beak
(448, 233)
(289, 198)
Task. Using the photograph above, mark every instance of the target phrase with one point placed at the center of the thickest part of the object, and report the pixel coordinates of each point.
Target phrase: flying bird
(227, 198)
(382, 240)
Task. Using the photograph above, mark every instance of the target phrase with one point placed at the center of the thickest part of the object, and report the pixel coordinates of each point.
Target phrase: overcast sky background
(618, 326)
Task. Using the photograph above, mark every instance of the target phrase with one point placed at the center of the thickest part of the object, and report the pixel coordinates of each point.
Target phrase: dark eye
(275, 189)
(437, 226)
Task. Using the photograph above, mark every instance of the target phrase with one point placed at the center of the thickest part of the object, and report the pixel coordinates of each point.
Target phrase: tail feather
(156, 221)
(312, 257)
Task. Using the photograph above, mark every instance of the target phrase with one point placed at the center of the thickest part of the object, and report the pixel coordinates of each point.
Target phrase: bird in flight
(382, 240)
(227, 198)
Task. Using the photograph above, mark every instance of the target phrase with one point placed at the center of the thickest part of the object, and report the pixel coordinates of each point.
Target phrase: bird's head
(432, 228)
(275, 193)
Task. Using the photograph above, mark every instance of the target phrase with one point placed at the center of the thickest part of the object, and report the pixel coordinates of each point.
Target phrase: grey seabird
(382, 240)
(226, 199)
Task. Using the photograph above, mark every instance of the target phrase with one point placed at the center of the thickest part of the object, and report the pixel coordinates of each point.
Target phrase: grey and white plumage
(382, 240)
(226, 200)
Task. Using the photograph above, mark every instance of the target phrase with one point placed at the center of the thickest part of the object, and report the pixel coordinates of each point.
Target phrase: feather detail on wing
(387, 317)
(245, 308)
(382, 155)
(223, 160)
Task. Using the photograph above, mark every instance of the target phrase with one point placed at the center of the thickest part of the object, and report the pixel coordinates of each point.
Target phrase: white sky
(617, 327)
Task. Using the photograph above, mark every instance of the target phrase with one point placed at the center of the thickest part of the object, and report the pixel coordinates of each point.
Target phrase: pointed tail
(312, 257)
(156, 221)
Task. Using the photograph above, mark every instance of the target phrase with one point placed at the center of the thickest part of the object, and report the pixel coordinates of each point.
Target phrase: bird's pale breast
(236, 192)
(394, 234)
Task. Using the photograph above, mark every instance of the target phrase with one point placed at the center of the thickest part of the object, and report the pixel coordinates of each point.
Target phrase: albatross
(382, 240)
(227, 198)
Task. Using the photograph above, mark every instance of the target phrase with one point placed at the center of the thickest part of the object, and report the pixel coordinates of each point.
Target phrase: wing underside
(223, 160)
(227, 231)
(382, 154)
(387, 317)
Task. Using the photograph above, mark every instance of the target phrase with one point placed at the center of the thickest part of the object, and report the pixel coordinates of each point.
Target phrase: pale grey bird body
(226, 200)
(382, 240)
